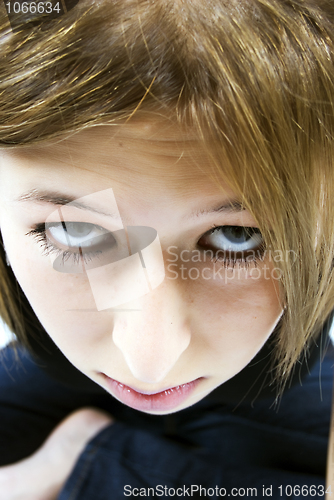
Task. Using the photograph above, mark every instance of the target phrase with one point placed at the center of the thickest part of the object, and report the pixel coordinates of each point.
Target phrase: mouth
(167, 399)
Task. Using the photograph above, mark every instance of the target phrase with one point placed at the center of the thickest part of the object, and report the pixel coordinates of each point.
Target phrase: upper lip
(150, 393)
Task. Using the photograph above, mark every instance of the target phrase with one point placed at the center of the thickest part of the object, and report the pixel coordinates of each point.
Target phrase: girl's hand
(42, 475)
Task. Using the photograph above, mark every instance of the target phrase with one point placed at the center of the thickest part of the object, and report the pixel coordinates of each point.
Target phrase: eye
(76, 242)
(232, 239)
(78, 234)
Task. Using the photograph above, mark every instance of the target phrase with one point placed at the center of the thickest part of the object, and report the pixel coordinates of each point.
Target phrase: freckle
(120, 144)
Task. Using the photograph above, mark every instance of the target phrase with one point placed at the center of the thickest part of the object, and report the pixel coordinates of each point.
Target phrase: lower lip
(160, 401)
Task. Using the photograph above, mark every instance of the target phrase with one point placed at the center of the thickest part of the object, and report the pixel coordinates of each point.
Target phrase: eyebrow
(228, 207)
(58, 199)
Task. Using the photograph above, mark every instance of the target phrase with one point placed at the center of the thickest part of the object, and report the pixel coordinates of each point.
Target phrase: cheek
(234, 320)
(63, 303)
(65, 307)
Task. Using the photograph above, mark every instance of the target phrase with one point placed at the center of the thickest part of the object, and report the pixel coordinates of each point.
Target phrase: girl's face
(203, 315)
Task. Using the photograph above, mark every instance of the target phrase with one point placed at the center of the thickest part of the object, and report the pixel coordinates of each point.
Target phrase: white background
(5, 335)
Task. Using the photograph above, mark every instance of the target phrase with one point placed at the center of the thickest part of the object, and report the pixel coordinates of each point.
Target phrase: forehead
(140, 155)
(156, 170)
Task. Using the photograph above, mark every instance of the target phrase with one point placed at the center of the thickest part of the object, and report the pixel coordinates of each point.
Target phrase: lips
(168, 399)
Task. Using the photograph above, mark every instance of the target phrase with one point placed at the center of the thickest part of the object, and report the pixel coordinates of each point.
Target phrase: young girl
(166, 174)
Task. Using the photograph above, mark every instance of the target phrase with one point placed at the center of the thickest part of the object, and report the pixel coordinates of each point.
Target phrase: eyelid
(73, 214)
(67, 223)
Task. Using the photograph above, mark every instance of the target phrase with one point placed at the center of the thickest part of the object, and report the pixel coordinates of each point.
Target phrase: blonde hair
(255, 78)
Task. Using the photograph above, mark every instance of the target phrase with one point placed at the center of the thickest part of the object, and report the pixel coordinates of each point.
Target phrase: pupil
(237, 233)
(78, 229)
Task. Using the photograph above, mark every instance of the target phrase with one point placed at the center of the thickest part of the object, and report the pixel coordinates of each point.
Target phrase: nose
(153, 338)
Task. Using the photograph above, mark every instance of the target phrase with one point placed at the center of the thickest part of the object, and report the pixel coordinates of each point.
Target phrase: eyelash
(232, 262)
(39, 233)
(229, 260)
